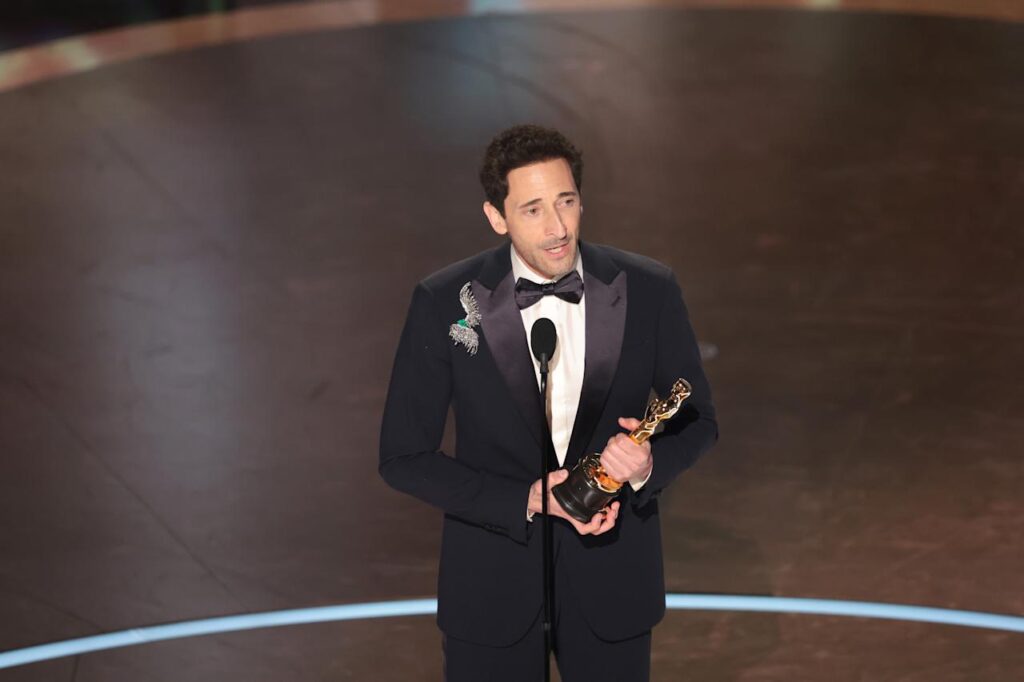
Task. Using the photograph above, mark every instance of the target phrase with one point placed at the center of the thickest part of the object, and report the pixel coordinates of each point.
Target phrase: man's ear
(495, 218)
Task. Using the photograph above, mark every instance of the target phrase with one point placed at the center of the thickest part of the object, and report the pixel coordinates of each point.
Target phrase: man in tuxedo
(623, 330)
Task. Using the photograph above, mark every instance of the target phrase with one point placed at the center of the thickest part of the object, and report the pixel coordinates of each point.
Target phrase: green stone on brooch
(463, 323)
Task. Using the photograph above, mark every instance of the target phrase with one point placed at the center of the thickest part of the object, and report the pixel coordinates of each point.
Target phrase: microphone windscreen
(543, 338)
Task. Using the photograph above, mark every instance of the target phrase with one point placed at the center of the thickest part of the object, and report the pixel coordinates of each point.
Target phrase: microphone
(543, 339)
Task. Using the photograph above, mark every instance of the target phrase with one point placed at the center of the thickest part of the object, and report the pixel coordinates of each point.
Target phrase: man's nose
(556, 227)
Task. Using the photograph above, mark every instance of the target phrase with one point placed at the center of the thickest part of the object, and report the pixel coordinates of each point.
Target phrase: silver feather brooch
(462, 331)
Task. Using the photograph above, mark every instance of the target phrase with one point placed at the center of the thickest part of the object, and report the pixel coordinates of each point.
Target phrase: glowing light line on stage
(837, 607)
(211, 626)
(422, 607)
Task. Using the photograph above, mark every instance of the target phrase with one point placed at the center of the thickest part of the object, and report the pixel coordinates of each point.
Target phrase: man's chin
(552, 265)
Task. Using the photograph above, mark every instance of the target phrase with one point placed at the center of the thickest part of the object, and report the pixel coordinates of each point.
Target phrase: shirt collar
(521, 270)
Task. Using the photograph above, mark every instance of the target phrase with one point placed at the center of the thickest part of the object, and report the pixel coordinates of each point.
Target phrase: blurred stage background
(212, 215)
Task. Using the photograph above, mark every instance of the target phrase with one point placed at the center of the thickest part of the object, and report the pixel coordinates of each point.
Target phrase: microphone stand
(545, 467)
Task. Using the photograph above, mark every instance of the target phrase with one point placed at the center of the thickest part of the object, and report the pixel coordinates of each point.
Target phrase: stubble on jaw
(564, 267)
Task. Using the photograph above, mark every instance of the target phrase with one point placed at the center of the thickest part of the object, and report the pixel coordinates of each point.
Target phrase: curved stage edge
(79, 54)
(422, 607)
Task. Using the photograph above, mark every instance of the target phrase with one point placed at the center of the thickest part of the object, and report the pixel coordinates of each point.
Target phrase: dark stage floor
(205, 259)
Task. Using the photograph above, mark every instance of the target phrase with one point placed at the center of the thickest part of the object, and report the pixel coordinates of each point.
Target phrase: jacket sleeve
(413, 424)
(694, 429)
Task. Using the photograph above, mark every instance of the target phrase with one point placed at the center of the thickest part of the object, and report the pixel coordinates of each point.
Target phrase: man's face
(542, 216)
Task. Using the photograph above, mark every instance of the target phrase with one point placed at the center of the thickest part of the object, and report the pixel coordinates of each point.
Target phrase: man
(623, 329)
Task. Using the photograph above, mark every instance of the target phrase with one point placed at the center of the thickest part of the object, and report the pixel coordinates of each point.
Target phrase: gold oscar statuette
(589, 489)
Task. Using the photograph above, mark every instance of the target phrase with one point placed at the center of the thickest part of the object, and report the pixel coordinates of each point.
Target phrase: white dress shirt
(565, 369)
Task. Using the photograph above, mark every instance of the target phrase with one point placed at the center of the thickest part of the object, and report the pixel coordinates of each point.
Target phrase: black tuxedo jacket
(638, 337)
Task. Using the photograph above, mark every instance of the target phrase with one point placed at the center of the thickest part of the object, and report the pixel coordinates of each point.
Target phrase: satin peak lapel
(506, 338)
(605, 328)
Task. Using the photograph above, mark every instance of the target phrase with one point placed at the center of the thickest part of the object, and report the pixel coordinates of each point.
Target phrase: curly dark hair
(520, 146)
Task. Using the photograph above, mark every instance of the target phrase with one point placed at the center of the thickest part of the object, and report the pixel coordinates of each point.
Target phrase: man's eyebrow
(531, 202)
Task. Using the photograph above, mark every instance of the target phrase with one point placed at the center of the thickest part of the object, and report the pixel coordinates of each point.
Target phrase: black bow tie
(568, 288)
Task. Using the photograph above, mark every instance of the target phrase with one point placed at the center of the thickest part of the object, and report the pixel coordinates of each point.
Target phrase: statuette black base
(581, 495)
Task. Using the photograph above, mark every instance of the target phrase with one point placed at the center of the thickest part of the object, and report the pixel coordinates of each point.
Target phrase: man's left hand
(623, 459)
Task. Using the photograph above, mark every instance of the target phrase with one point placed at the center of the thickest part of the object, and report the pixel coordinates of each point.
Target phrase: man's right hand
(602, 522)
